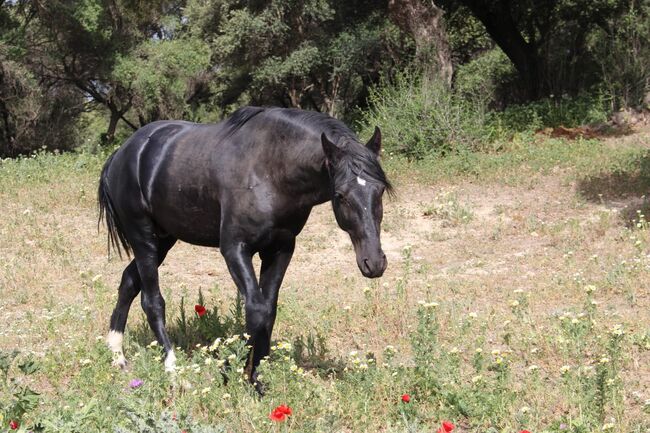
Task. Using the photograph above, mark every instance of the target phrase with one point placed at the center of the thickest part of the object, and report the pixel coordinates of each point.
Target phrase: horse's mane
(358, 160)
(239, 118)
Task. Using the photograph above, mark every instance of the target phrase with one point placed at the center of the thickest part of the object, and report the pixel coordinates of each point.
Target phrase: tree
(317, 54)
(544, 39)
(85, 40)
(424, 21)
(33, 113)
(167, 78)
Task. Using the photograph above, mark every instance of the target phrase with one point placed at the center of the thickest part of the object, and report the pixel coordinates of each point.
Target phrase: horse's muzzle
(372, 266)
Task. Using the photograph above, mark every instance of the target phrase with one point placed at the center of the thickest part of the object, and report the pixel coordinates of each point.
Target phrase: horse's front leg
(275, 261)
(238, 257)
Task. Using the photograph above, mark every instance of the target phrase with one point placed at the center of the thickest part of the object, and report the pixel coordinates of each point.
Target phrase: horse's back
(162, 173)
(190, 178)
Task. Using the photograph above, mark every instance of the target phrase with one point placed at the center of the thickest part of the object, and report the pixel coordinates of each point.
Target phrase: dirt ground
(466, 244)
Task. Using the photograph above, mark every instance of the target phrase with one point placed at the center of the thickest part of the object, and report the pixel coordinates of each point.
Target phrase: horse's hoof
(120, 361)
(260, 388)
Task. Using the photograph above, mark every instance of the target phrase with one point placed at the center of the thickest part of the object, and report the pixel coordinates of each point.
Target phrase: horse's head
(357, 184)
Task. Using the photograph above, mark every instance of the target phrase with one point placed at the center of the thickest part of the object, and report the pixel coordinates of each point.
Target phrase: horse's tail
(116, 238)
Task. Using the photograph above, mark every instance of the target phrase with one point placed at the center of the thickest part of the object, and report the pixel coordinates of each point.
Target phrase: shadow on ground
(619, 184)
(624, 188)
(310, 352)
(635, 212)
(188, 330)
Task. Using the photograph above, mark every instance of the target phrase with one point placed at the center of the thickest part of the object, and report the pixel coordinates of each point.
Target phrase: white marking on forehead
(361, 181)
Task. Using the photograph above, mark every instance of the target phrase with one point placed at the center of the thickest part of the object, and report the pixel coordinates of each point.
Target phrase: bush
(486, 77)
(420, 117)
(622, 52)
(34, 115)
(552, 112)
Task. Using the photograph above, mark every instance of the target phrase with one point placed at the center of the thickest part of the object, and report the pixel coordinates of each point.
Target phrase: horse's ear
(374, 143)
(333, 153)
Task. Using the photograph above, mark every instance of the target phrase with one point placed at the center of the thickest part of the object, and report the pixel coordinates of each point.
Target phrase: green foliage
(314, 54)
(44, 167)
(622, 50)
(565, 111)
(143, 421)
(161, 74)
(484, 78)
(34, 114)
(566, 46)
(422, 117)
(89, 14)
(134, 62)
(466, 34)
(17, 397)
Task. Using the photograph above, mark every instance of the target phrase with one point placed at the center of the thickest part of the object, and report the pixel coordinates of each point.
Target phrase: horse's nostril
(366, 265)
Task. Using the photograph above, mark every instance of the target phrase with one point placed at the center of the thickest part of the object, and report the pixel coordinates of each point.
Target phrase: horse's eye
(340, 198)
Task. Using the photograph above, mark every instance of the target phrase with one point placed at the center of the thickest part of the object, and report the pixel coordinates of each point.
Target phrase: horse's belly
(191, 224)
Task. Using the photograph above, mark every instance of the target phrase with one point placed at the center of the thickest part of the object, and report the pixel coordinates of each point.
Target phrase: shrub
(552, 112)
(420, 117)
(34, 116)
(485, 78)
(622, 52)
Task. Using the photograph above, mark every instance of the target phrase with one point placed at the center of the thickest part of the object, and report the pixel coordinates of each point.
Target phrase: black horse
(245, 185)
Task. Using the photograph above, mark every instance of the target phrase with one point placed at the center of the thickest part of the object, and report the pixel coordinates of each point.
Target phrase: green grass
(560, 355)
(451, 372)
(529, 155)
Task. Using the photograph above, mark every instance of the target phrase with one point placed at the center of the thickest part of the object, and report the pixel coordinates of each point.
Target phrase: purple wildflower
(135, 383)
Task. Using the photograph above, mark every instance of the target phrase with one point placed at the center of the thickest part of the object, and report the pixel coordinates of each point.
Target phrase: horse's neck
(308, 180)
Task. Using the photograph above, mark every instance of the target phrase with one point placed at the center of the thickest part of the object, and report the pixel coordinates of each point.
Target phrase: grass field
(517, 297)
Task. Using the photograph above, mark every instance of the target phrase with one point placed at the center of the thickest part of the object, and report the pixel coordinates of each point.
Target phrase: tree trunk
(423, 20)
(112, 125)
(497, 18)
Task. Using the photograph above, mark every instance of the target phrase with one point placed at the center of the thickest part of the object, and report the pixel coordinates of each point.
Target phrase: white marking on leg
(114, 341)
(361, 181)
(170, 362)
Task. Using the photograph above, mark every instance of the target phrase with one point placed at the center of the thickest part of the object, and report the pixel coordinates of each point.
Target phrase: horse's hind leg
(129, 288)
(146, 258)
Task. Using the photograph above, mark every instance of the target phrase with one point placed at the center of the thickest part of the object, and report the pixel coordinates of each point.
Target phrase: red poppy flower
(200, 310)
(406, 398)
(13, 425)
(447, 427)
(280, 413)
(284, 409)
(524, 431)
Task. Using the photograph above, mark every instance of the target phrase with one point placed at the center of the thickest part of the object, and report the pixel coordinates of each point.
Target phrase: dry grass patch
(492, 269)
